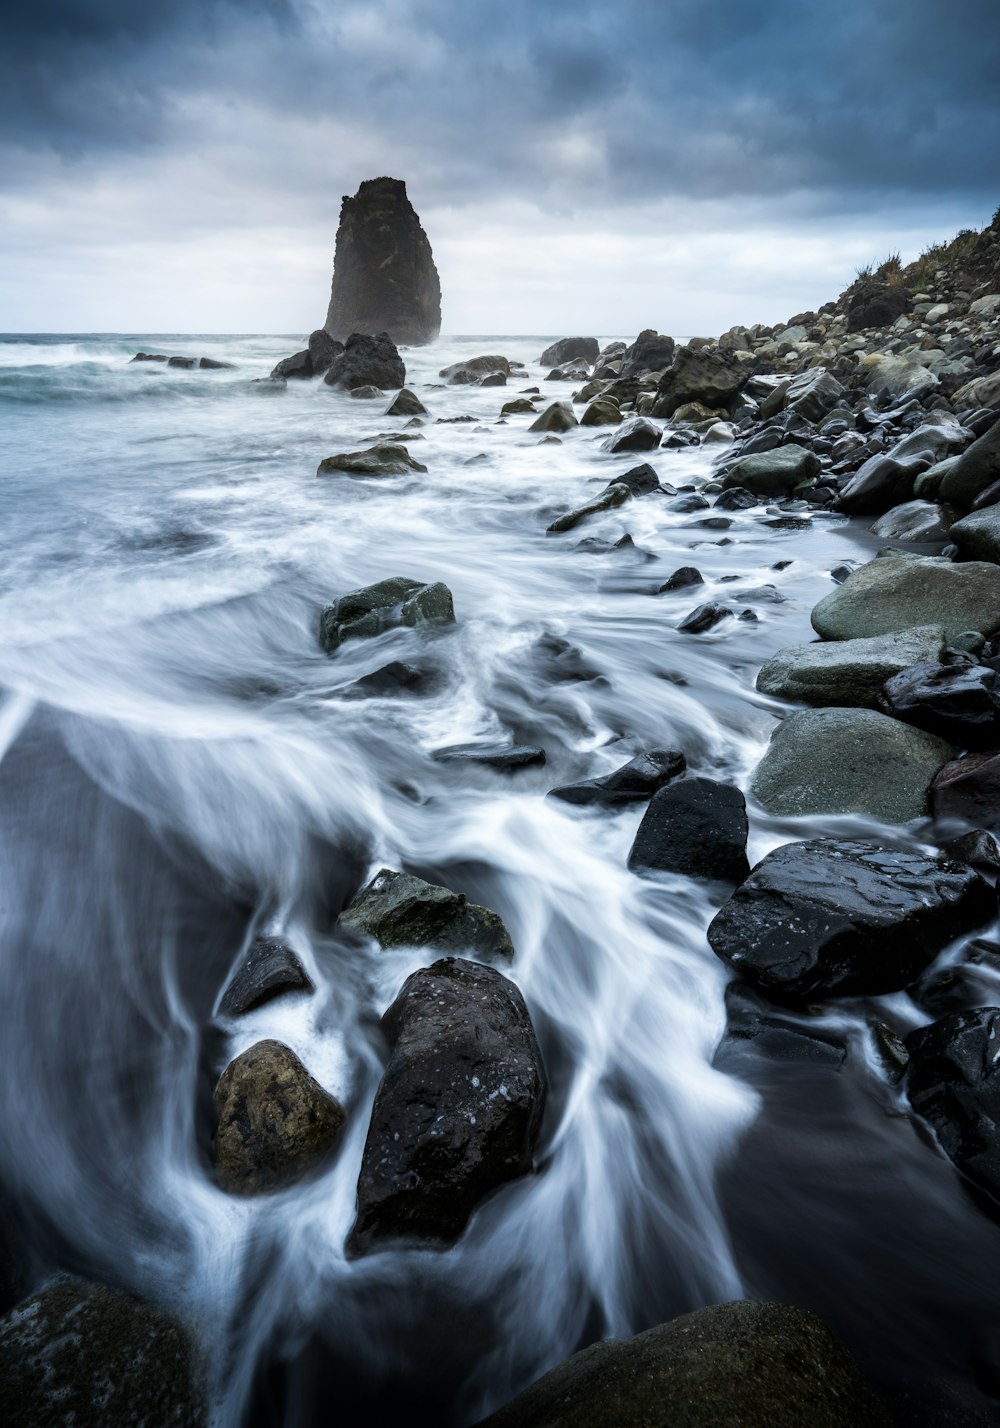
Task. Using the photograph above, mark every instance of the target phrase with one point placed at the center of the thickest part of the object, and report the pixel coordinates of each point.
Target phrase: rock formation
(384, 278)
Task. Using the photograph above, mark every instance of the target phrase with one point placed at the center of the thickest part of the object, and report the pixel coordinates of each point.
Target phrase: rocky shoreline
(884, 405)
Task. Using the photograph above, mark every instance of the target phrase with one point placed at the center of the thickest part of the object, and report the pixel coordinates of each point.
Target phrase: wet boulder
(275, 1122)
(368, 360)
(915, 521)
(91, 1356)
(976, 469)
(773, 473)
(703, 617)
(614, 495)
(634, 782)
(696, 827)
(571, 349)
(846, 917)
(459, 1107)
(967, 790)
(706, 375)
(848, 761)
(953, 1082)
(406, 403)
(400, 910)
(556, 417)
(601, 413)
(851, 672)
(650, 352)
(385, 459)
(640, 480)
(896, 593)
(364, 613)
(520, 406)
(736, 498)
(269, 968)
(471, 371)
(978, 535)
(636, 434)
(959, 702)
(682, 579)
(747, 1364)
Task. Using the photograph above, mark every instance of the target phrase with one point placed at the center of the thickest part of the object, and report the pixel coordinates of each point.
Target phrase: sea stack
(384, 278)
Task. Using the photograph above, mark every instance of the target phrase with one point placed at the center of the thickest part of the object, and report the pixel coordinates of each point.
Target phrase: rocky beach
(500, 843)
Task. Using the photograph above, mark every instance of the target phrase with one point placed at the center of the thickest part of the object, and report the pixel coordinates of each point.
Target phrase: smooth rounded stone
(773, 473)
(185, 363)
(989, 497)
(896, 375)
(571, 349)
(890, 594)
(916, 521)
(846, 672)
(368, 360)
(459, 1107)
(978, 535)
(882, 482)
(720, 431)
(976, 469)
(736, 498)
(364, 613)
(634, 782)
(846, 917)
(556, 417)
(696, 827)
(501, 758)
(636, 434)
(601, 413)
(960, 703)
(848, 761)
(90, 1356)
(953, 1082)
(493, 379)
(740, 1365)
(967, 790)
(707, 375)
(697, 411)
(704, 617)
(812, 394)
(386, 459)
(406, 403)
(682, 579)
(400, 910)
(269, 968)
(519, 406)
(469, 372)
(612, 496)
(275, 1123)
(687, 503)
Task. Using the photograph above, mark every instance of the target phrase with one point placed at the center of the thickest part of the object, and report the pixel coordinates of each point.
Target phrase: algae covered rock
(368, 360)
(399, 910)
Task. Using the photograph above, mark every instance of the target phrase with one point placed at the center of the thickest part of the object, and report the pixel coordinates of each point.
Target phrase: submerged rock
(385, 459)
(601, 413)
(91, 1356)
(697, 827)
(953, 1082)
(702, 617)
(636, 434)
(270, 968)
(367, 361)
(846, 917)
(276, 1124)
(458, 1109)
(556, 417)
(682, 579)
(406, 403)
(848, 761)
(741, 1365)
(363, 613)
(399, 910)
(896, 593)
(634, 782)
(384, 278)
(849, 672)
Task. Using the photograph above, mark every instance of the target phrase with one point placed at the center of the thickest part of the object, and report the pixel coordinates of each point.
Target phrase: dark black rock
(778, 1035)
(968, 790)
(149, 357)
(459, 1107)
(697, 827)
(91, 1356)
(737, 498)
(322, 350)
(298, 365)
(184, 362)
(367, 361)
(650, 352)
(393, 678)
(683, 577)
(634, 782)
(500, 757)
(979, 848)
(842, 917)
(212, 364)
(571, 349)
(788, 523)
(270, 967)
(891, 1051)
(704, 617)
(960, 986)
(961, 702)
(713, 523)
(953, 1082)
(700, 375)
(875, 304)
(640, 480)
(400, 910)
(365, 613)
(685, 504)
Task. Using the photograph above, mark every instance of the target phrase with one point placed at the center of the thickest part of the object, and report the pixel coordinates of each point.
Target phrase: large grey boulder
(650, 352)
(847, 672)
(742, 1365)
(400, 910)
(571, 349)
(883, 481)
(364, 613)
(558, 416)
(848, 761)
(978, 535)
(976, 468)
(614, 495)
(812, 394)
(896, 375)
(895, 593)
(706, 375)
(773, 473)
(384, 278)
(917, 521)
(368, 360)
(90, 1356)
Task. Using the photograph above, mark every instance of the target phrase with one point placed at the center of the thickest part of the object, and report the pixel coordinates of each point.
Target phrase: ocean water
(182, 767)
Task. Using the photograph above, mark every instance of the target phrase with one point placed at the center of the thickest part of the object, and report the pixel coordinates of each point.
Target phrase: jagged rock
(747, 1364)
(915, 521)
(650, 352)
(634, 782)
(850, 672)
(384, 278)
(472, 371)
(458, 1109)
(270, 968)
(893, 593)
(556, 417)
(953, 1082)
(978, 535)
(697, 827)
(385, 459)
(968, 790)
(981, 392)
(367, 361)
(406, 403)
(979, 848)
(299, 365)
(399, 910)
(845, 917)
(614, 495)
(90, 1356)
(736, 498)
(960, 703)
(636, 434)
(773, 473)
(707, 376)
(392, 678)
(875, 305)
(571, 349)
(364, 613)
(601, 413)
(322, 350)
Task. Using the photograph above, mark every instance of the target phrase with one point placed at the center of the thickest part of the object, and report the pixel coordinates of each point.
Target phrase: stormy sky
(583, 166)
